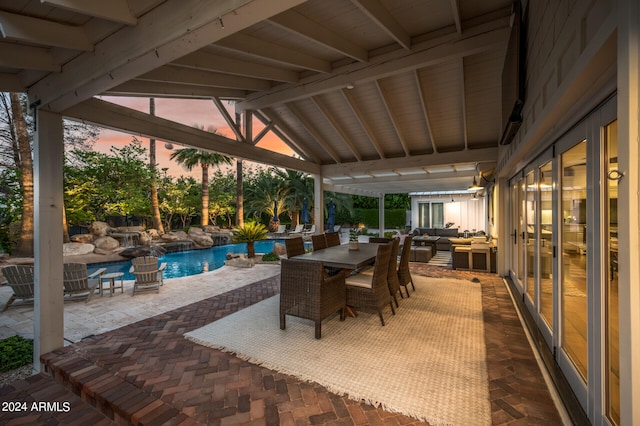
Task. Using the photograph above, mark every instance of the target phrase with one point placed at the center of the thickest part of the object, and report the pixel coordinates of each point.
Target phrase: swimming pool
(191, 262)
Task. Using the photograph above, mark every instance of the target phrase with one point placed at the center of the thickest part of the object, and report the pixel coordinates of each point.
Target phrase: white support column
(629, 208)
(381, 214)
(318, 204)
(48, 324)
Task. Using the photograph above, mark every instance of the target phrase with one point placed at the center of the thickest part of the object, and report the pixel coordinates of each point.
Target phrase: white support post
(48, 324)
(318, 204)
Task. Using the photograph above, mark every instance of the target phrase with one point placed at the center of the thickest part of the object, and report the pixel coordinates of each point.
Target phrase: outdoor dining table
(341, 257)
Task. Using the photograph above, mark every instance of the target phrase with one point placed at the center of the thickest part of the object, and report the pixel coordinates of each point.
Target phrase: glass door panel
(574, 259)
(545, 246)
(521, 234)
(612, 355)
(530, 233)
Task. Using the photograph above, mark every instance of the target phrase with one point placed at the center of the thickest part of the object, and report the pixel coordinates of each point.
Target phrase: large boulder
(75, 249)
(82, 238)
(211, 229)
(143, 251)
(154, 234)
(279, 249)
(144, 239)
(100, 229)
(195, 231)
(170, 236)
(203, 240)
(107, 244)
(239, 260)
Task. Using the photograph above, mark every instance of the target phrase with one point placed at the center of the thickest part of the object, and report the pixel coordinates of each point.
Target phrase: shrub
(15, 352)
(270, 257)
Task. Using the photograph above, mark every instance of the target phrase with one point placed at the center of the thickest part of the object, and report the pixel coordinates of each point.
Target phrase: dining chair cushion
(361, 280)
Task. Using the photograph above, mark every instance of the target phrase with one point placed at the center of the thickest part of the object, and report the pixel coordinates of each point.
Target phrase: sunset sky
(201, 113)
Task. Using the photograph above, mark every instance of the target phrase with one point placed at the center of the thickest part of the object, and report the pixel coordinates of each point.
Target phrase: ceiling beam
(112, 116)
(455, 10)
(392, 117)
(467, 174)
(225, 64)
(181, 75)
(311, 126)
(230, 121)
(164, 34)
(10, 83)
(484, 155)
(28, 57)
(45, 33)
(301, 25)
(169, 90)
(274, 52)
(284, 132)
(112, 10)
(380, 67)
(362, 119)
(423, 106)
(377, 13)
(329, 116)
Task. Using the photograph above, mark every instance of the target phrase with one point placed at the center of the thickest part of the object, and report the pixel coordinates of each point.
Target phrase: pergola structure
(373, 96)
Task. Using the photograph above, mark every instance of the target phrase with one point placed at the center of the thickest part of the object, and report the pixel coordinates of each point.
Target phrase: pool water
(191, 262)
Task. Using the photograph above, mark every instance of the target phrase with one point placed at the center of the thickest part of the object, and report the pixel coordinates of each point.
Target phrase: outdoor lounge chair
(306, 292)
(294, 246)
(371, 292)
(311, 231)
(149, 277)
(20, 278)
(78, 283)
(298, 229)
(281, 231)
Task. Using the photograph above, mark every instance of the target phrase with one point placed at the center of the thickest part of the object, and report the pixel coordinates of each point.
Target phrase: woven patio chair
(149, 276)
(392, 275)
(306, 292)
(319, 242)
(78, 283)
(294, 246)
(333, 239)
(20, 279)
(404, 275)
(371, 292)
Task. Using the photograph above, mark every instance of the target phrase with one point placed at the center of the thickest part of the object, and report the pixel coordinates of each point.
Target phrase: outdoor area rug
(428, 362)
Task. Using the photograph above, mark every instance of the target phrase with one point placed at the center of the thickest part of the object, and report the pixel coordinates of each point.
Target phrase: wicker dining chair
(307, 292)
(392, 275)
(404, 275)
(294, 246)
(371, 292)
(333, 239)
(319, 242)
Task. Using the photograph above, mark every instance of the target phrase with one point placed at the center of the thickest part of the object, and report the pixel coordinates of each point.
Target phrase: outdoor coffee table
(112, 277)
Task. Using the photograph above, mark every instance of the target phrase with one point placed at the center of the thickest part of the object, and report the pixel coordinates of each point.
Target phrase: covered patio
(147, 373)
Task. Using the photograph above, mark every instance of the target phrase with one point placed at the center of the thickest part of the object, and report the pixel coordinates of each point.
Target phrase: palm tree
(263, 191)
(299, 187)
(191, 157)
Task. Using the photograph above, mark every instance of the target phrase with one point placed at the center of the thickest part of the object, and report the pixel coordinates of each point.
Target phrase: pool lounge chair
(298, 229)
(281, 231)
(78, 283)
(20, 279)
(148, 274)
(311, 231)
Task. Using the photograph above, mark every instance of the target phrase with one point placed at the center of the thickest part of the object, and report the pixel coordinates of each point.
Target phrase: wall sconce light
(349, 86)
(221, 23)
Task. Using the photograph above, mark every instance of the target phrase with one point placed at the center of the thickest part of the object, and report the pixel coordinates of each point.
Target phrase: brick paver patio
(147, 373)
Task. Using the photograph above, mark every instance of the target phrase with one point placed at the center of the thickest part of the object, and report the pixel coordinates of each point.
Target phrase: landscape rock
(241, 261)
(279, 249)
(106, 243)
(143, 251)
(82, 238)
(203, 240)
(100, 229)
(74, 249)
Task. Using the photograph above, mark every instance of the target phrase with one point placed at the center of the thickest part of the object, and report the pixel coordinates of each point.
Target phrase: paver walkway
(147, 373)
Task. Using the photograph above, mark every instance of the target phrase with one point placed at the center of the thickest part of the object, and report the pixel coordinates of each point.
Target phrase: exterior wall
(464, 213)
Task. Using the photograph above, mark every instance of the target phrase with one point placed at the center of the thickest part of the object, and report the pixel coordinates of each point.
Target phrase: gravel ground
(10, 376)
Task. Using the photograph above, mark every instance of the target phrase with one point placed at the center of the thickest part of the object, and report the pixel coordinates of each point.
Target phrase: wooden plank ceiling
(378, 96)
